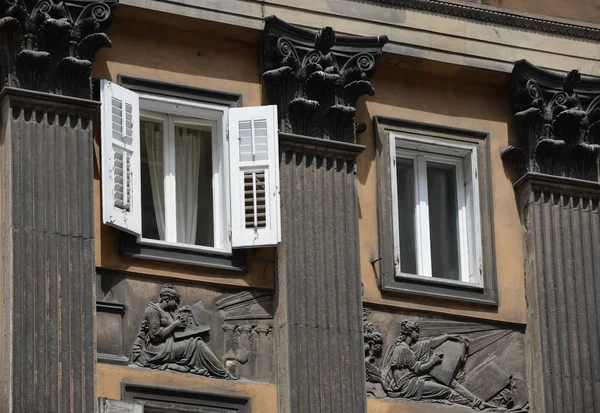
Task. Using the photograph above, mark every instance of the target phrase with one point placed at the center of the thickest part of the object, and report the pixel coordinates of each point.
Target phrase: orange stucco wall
(469, 99)
(263, 397)
(191, 57)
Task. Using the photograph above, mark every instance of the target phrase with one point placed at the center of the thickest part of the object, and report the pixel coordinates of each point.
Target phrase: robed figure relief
(174, 339)
(413, 369)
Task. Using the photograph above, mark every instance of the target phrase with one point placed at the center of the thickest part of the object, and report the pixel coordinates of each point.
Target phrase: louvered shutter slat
(121, 196)
(254, 176)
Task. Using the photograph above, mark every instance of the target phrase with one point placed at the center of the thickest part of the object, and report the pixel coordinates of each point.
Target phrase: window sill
(131, 248)
(440, 289)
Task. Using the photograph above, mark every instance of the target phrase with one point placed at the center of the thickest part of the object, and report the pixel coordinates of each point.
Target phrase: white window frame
(464, 157)
(169, 111)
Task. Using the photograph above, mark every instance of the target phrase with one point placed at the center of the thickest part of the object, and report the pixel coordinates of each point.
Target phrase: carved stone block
(465, 363)
(231, 330)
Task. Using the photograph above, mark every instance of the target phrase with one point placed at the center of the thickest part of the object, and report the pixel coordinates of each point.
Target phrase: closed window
(436, 210)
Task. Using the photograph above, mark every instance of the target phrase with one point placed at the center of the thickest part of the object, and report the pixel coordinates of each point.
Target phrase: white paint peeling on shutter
(121, 196)
(254, 176)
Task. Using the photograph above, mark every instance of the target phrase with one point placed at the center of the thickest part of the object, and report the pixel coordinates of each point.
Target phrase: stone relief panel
(478, 366)
(184, 327)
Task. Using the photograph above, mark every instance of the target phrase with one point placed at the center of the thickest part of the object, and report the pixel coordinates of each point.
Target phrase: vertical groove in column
(594, 240)
(561, 359)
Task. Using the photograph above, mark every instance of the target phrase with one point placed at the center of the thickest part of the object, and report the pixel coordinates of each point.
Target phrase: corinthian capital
(316, 77)
(557, 119)
(49, 46)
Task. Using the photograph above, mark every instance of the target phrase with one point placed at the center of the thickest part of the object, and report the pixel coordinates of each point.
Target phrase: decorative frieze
(474, 365)
(316, 78)
(50, 46)
(557, 119)
(215, 332)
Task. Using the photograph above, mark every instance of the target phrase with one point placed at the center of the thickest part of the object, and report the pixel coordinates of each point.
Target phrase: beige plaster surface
(584, 10)
(191, 58)
(263, 397)
(417, 33)
(454, 100)
(407, 406)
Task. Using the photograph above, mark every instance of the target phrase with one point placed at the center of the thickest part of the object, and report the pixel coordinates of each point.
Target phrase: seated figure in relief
(408, 363)
(169, 339)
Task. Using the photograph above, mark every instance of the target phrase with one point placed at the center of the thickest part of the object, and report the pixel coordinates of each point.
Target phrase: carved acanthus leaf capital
(557, 119)
(316, 77)
(49, 45)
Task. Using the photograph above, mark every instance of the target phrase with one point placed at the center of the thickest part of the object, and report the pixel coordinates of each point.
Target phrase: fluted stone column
(315, 79)
(556, 163)
(47, 285)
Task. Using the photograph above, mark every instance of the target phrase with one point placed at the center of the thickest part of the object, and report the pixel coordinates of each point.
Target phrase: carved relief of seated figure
(165, 340)
(408, 363)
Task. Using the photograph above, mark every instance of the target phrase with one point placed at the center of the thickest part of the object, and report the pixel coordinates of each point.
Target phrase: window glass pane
(194, 192)
(405, 177)
(443, 220)
(152, 180)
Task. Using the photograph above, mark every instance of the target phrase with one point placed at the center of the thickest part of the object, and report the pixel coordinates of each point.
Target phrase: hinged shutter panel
(121, 195)
(254, 176)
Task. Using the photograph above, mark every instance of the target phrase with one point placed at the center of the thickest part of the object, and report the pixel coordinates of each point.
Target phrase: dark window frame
(426, 286)
(128, 244)
(179, 400)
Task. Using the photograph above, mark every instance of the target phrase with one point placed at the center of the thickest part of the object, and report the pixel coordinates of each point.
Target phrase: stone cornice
(49, 46)
(496, 17)
(557, 121)
(316, 77)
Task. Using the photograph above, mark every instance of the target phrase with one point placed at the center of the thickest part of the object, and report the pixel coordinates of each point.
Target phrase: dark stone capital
(557, 119)
(316, 77)
(49, 46)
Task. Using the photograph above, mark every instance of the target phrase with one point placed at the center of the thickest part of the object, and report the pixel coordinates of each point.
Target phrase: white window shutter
(121, 189)
(254, 177)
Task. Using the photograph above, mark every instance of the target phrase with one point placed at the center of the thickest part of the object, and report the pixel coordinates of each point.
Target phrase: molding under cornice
(495, 17)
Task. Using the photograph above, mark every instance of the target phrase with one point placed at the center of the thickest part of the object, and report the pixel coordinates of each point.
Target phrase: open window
(189, 174)
(434, 211)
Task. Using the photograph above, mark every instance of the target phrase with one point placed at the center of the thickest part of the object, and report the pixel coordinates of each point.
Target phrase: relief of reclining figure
(171, 339)
(409, 369)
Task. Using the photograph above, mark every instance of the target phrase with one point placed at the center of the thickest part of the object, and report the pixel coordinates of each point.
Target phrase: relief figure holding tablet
(172, 339)
(412, 370)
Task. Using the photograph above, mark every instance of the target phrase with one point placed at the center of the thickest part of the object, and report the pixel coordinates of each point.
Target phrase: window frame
(129, 245)
(464, 158)
(427, 137)
(169, 111)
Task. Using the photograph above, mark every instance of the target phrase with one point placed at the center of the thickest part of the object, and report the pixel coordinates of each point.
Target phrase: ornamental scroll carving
(557, 119)
(475, 367)
(50, 46)
(316, 78)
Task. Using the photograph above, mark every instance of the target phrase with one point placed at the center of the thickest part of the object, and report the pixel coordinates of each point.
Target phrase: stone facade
(92, 322)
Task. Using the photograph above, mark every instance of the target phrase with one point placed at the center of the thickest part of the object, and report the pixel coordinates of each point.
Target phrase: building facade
(300, 207)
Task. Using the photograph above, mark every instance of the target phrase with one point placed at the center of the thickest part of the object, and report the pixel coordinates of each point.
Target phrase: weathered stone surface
(319, 332)
(48, 346)
(562, 238)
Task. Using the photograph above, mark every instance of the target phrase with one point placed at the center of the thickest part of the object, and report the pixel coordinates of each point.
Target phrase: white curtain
(188, 145)
(155, 147)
